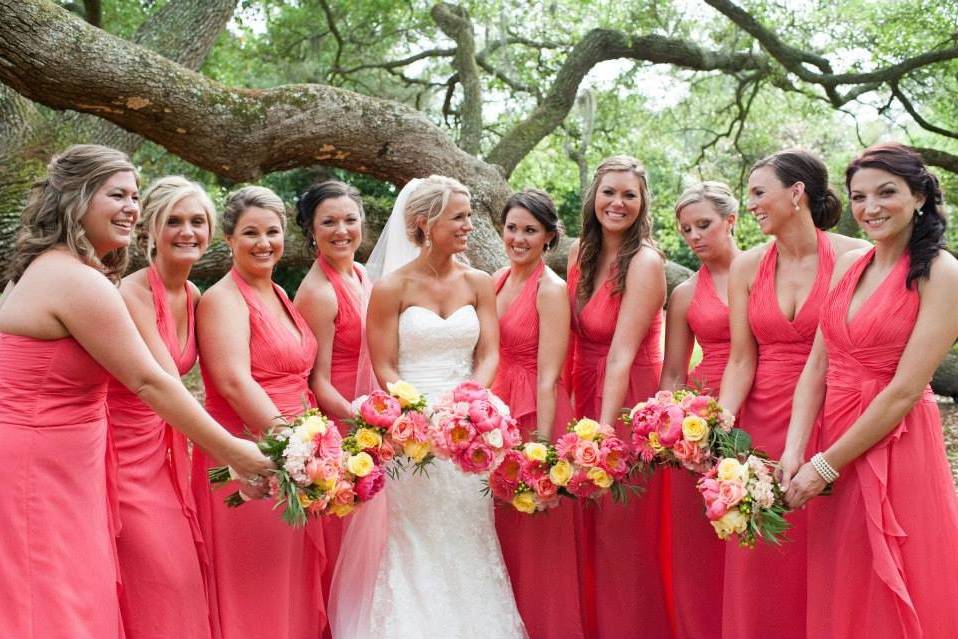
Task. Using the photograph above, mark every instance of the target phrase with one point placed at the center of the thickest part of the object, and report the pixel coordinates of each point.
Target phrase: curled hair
(249, 196)
(928, 231)
(798, 165)
(159, 201)
(718, 194)
(316, 195)
(429, 200)
(541, 206)
(55, 208)
(590, 242)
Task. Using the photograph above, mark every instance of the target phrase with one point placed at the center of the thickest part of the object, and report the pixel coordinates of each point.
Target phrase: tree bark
(455, 23)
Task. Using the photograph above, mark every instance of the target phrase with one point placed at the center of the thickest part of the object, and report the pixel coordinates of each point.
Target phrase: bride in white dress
(425, 561)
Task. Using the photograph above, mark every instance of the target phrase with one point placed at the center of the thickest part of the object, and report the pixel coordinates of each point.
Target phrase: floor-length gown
(163, 562)
(348, 335)
(623, 548)
(439, 572)
(883, 547)
(765, 586)
(539, 550)
(58, 573)
(267, 574)
(698, 556)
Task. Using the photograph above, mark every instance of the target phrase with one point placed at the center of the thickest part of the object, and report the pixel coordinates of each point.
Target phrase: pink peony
(476, 458)
(669, 427)
(469, 391)
(511, 437)
(329, 445)
(698, 405)
(368, 486)
(380, 409)
(483, 416)
(319, 469)
(458, 436)
(716, 509)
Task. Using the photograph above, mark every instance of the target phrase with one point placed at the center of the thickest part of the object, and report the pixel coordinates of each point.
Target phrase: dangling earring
(797, 207)
(428, 241)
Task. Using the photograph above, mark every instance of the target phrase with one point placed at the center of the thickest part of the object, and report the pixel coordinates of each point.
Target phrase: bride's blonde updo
(429, 200)
(56, 205)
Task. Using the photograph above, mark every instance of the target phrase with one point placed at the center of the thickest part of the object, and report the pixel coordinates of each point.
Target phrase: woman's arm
(554, 315)
(642, 298)
(223, 334)
(935, 331)
(382, 329)
(743, 356)
(318, 305)
(93, 312)
(486, 358)
(679, 340)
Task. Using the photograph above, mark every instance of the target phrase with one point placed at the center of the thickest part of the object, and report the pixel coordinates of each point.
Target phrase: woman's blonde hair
(429, 200)
(158, 202)
(259, 196)
(56, 205)
(718, 194)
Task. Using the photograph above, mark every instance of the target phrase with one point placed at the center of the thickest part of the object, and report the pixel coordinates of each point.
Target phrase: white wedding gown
(441, 574)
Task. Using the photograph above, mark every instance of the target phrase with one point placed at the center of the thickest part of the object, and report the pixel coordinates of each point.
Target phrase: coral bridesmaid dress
(163, 563)
(349, 331)
(765, 586)
(623, 549)
(698, 556)
(58, 573)
(267, 574)
(539, 550)
(883, 547)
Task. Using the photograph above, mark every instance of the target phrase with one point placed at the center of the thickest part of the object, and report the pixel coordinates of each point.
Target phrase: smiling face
(524, 236)
(337, 228)
(257, 241)
(185, 233)
(771, 202)
(882, 203)
(450, 232)
(618, 201)
(112, 212)
(705, 231)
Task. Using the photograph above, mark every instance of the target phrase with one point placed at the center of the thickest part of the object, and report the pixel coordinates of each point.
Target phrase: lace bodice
(436, 353)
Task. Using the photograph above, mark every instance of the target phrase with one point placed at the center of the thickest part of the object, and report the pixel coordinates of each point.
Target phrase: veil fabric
(354, 578)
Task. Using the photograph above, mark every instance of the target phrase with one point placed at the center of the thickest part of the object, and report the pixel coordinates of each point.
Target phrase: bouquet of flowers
(684, 429)
(745, 500)
(394, 423)
(591, 460)
(472, 428)
(530, 477)
(317, 471)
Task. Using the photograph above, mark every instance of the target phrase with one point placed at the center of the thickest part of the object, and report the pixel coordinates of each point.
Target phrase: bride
(423, 560)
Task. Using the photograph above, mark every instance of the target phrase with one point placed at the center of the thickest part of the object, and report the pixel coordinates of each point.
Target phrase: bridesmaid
(256, 354)
(698, 311)
(533, 339)
(776, 292)
(883, 548)
(63, 331)
(163, 564)
(615, 272)
(332, 299)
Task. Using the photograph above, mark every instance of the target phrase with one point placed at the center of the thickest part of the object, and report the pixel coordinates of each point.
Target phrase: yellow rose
(314, 425)
(586, 428)
(341, 510)
(730, 469)
(416, 451)
(524, 502)
(360, 464)
(534, 451)
(694, 428)
(405, 392)
(304, 500)
(599, 477)
(731, 522)
(561, 473)
(654, 443)
(368, 438)
(326, 485)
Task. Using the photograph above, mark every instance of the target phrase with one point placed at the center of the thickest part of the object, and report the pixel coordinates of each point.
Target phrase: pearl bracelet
(821, 465)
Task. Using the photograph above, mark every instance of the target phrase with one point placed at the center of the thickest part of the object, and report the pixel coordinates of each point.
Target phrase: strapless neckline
(435, 314)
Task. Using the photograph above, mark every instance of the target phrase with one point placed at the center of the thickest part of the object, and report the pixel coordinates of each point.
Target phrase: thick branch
(455, 23)
(597, 46)
(941, 159)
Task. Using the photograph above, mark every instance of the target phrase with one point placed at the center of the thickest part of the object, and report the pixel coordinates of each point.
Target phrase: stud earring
(919, 212)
